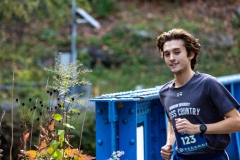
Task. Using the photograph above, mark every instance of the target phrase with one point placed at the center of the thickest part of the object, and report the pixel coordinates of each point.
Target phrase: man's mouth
(173, 64)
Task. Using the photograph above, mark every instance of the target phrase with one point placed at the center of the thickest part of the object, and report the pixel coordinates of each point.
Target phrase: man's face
(175, 56)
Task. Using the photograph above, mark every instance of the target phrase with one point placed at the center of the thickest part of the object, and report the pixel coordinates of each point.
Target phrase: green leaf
(75, 110)
(58, 154)
(68, 125)
(54, 155)
(54, 144)
(61, 136)
(57, 117)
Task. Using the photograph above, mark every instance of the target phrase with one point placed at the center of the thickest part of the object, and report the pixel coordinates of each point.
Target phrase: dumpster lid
(141, 94)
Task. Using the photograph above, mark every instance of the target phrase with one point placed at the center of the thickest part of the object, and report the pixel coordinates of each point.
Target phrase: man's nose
(171, 57)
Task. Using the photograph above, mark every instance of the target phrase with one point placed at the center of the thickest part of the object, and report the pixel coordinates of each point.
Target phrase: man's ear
(191, 55)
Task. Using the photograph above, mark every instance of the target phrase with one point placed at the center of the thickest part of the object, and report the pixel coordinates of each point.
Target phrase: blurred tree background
(122, 53)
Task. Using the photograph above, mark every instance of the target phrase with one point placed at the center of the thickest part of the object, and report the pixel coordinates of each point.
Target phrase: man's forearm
(170, 134)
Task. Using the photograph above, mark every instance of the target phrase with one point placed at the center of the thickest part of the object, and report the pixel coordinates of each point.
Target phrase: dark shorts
(220, 155)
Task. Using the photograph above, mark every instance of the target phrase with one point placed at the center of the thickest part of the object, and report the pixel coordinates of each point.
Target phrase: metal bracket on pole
(87, 17)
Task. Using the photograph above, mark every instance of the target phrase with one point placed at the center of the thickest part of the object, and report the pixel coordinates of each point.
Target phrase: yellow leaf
(74, 153)
(31, 154)
(51, 125)
(43, 144)
(50, 150)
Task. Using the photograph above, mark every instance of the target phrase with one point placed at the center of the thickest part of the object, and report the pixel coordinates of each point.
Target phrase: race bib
(188, 143)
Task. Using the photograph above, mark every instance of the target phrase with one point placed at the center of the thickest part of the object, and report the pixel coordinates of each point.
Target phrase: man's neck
(182, 79)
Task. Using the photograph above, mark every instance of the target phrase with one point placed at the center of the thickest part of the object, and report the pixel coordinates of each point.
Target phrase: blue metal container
(135, 122)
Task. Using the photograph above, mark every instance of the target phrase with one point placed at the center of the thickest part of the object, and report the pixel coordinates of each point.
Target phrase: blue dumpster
(135, 122)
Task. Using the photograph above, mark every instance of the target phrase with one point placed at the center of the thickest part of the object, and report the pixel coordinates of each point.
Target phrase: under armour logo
(179, 94)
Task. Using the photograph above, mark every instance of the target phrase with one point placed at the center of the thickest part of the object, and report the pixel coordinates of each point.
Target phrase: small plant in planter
(53, 115)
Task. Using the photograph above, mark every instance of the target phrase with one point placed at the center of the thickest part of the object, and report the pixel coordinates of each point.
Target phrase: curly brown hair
(191, 44)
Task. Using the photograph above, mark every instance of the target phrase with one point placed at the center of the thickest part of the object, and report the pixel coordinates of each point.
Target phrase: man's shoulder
(205, 80)
(205, 77)
(166, 86)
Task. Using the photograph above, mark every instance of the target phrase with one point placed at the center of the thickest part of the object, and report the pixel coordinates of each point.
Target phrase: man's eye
(167, 55)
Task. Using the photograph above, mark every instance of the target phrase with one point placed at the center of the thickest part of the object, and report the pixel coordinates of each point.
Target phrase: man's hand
(184, 126)
(166, 152)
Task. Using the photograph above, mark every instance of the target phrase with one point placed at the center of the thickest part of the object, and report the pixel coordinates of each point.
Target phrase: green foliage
(18, 10)
(88, 144)
(54, 139)
(103, 7)
(28, 10)
(190, 26)
(66, 76)
(48, 35)
(236, 21)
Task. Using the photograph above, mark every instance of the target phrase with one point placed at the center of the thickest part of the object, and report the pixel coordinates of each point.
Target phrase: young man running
(201, 111)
